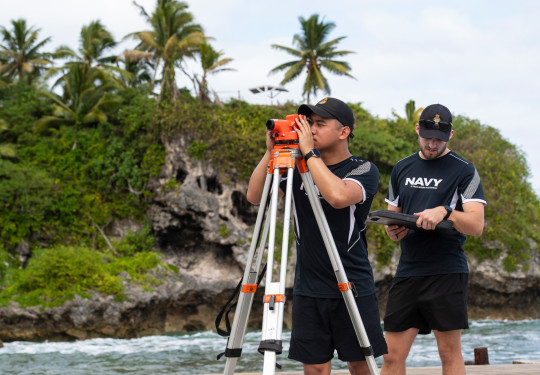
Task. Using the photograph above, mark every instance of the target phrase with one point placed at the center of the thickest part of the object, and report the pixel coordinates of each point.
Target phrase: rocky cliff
(203, 226)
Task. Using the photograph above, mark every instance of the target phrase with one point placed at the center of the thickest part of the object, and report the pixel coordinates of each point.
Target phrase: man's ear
(345, 131)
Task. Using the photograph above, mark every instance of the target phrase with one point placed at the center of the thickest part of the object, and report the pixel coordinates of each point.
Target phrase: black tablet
(388, 217)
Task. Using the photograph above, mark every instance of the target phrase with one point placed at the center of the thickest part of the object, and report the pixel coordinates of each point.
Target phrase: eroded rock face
(203, 226)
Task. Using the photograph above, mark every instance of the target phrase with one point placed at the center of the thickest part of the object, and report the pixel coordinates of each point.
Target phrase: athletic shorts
(322, 325)
(437, 302)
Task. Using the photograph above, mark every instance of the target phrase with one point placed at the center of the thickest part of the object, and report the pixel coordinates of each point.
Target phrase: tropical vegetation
(314, 53)
(20, 53)
(81, 141)
(174, 36)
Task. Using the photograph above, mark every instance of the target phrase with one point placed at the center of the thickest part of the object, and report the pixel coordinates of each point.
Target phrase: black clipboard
(388, 217)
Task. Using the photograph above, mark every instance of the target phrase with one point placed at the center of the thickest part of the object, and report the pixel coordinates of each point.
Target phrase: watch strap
(309, 154)
(448, 212)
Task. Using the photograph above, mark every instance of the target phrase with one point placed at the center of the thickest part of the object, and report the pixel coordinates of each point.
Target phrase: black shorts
(437, 302)
(322, 325)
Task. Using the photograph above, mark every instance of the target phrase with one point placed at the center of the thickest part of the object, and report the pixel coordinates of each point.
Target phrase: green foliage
(138, 242)
(223, 232)
(20, 106)
(54, 193)
(136, 266)
(170, 185)
(197, 149)
(56, 275)
(513, 211)
(87, 92)
(231, 138)
(27, 196)
(381, 141)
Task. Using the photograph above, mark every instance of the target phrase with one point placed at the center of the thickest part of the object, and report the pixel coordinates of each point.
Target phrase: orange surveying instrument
(285, 157)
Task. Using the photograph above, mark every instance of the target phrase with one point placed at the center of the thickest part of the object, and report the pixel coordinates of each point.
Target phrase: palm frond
(47, 122)
(286, 65)
(341, 68)
(294, 71)
(290, 50)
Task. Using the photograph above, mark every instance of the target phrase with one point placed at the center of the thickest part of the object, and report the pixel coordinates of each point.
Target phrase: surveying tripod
(284, 158)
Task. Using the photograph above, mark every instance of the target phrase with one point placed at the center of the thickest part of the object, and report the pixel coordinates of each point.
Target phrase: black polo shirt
(416, 185)
(314, 275)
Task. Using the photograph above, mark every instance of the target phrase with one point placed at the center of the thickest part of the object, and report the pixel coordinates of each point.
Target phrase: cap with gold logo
(436, 122)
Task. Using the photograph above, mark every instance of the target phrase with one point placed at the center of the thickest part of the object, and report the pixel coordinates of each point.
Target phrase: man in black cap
(346, 185)
(429, 291)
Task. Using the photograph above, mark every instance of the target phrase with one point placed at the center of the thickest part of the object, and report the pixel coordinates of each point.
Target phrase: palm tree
(174, 36)
(94, 43)
(413, 114)
(20, 56)
(211, 63)
(139, 75)
(86, 91)
(314, 53)
(88, 82)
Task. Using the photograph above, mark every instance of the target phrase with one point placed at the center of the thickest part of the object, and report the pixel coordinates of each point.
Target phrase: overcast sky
(479, 58)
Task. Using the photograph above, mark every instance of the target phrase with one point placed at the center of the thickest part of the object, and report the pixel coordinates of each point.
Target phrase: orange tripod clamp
(249, 288)
(272, 299)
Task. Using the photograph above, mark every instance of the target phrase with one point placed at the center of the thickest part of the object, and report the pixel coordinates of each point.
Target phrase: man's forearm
(471, 220)
(258, 177)
(337, 192)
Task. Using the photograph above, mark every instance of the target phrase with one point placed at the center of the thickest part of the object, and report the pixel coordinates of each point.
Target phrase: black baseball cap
(331, 108)
(436, 122)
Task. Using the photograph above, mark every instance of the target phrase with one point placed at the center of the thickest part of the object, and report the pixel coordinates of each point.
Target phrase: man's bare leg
(319, 369)
(358, 368)
(399, 344)
(449, 345)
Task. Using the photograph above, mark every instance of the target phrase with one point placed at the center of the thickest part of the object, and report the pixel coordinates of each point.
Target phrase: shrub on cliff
(57, 274)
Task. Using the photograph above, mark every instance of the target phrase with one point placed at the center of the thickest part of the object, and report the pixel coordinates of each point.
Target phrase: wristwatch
(314, 153)
(448, 212)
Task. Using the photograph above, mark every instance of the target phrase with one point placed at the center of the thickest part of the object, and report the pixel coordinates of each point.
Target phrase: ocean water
(195, 353)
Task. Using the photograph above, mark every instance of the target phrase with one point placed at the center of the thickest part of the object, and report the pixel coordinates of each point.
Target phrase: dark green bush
(56, 275)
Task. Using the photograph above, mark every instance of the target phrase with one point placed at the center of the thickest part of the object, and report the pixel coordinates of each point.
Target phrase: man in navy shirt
(429, 291)
(346, 186)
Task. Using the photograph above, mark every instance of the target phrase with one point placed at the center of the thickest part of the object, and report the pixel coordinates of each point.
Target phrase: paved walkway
(515, 369)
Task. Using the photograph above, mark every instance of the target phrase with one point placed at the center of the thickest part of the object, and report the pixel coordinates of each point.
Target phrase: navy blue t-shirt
(416, 185)
(315, 275)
